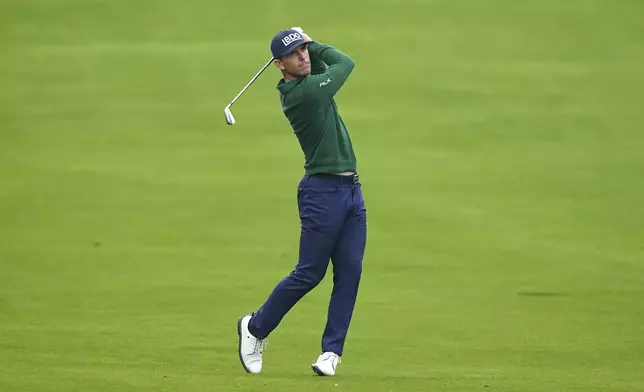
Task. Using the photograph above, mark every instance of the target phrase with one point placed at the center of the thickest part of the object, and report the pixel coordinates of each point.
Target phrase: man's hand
(304, 35)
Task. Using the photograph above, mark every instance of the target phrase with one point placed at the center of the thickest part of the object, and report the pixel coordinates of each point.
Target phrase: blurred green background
(500, 148)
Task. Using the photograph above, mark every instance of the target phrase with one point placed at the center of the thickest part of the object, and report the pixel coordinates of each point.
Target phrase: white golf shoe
(326, 364)
(251, 349)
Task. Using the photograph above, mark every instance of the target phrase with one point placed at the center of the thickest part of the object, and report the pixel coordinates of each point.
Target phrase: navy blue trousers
(334, 227)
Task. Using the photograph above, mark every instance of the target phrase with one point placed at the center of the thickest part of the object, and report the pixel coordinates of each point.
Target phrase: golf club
(230, 119)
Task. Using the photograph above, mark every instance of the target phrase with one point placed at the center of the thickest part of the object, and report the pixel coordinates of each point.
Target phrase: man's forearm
(323, 86)
(321, 54)
(317, 65)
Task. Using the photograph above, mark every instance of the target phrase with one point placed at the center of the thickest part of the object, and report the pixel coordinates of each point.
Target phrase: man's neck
(288, 77)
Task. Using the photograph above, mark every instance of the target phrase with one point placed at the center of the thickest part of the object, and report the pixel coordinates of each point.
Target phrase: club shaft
(251, 81)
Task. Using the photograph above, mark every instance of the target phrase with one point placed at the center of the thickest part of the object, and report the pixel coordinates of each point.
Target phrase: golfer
(331, 207)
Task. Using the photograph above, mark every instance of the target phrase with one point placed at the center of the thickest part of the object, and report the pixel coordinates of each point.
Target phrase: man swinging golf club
(331, 207)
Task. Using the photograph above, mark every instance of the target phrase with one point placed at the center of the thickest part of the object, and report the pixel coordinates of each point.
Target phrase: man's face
(297, 63)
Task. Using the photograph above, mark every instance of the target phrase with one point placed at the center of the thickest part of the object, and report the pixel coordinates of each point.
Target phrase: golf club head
(230, 119)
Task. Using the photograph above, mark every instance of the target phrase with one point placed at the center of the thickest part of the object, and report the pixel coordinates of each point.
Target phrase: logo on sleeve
(289, 39)
(322, 84)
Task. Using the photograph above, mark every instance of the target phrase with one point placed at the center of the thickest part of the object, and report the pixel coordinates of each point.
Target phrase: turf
(500, 149)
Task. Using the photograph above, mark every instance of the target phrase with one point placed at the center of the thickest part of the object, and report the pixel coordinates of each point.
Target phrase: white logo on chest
(322, 84)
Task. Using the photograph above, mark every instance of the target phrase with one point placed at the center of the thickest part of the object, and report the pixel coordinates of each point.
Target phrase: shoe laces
(331, 356)
(260, 345)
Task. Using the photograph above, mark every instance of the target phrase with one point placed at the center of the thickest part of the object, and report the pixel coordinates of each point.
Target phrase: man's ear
(278, 64)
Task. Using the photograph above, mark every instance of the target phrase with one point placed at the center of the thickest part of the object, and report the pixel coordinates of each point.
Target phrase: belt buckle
(356, 178)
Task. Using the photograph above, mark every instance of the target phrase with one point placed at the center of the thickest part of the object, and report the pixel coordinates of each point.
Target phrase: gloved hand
(304, 35)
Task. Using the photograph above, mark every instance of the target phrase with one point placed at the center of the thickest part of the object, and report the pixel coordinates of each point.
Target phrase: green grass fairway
(500, 145)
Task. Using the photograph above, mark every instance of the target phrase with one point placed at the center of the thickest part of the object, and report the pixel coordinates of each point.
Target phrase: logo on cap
(289, 39)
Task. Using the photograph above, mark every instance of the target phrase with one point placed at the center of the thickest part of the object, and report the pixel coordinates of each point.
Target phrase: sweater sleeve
(317, 65)
(323, 85)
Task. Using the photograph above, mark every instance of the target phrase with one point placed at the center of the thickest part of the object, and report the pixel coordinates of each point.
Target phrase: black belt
(339, 179)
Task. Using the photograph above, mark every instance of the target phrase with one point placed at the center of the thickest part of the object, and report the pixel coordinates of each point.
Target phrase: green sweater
(309, 106)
